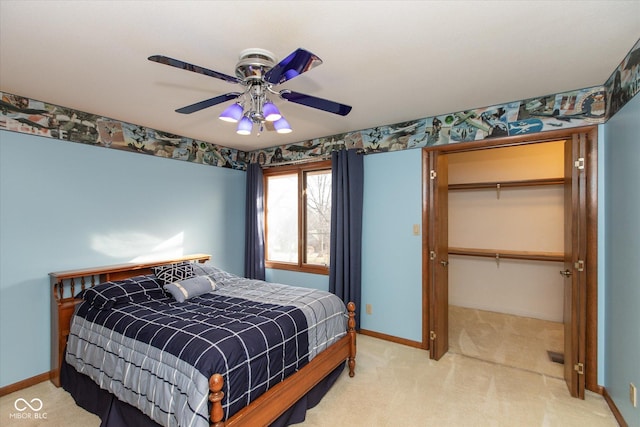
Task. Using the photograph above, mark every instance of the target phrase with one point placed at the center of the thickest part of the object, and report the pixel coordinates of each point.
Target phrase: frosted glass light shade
(232, 114)
(282, 126)
(271, 112)
(244, 126)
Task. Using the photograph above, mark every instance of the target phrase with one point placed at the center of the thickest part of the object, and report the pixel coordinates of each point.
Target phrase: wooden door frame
(574, 285)
(436, 244)
(591, 324)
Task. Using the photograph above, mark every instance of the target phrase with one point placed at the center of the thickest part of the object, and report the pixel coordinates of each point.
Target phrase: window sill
(313, 269)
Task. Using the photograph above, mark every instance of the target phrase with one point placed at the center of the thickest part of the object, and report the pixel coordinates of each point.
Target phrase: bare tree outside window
(298, 217)
(318, 219)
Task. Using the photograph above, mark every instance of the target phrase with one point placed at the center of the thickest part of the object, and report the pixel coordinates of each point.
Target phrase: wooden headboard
(66, 284)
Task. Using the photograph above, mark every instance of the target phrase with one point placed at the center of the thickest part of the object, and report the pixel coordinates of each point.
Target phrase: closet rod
(502, 254)
(505, 184)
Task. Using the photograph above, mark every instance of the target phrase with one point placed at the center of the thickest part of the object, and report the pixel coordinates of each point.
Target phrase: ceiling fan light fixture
(271, 112)
(257, 71)
(232, 114)
(245, 125)
(282, 126)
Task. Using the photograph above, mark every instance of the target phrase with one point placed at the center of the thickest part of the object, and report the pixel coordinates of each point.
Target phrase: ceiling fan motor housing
(254, 63)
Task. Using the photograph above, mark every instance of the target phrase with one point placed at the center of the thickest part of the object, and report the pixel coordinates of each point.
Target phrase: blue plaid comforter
(158, 355)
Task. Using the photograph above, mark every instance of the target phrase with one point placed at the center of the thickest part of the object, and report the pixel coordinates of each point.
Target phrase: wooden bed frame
(263, 411)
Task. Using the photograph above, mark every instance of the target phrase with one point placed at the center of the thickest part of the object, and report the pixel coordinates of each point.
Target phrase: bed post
(215, 397)
(351, 331)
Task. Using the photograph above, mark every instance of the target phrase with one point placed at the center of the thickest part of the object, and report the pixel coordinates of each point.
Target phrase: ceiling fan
(258, 72)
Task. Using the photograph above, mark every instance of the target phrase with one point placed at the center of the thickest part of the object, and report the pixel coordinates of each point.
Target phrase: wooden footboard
(268, 407)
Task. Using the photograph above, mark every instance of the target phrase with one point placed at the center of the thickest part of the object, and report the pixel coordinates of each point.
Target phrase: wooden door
(575, 264)
(438, 256)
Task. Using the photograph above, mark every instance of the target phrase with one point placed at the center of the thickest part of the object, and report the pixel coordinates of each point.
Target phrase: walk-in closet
(510, 254)
(506, 250)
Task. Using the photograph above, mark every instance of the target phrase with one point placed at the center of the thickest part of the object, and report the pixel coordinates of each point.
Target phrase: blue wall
(391, 253)
(294, 278)
(65, 205)
(622, 257)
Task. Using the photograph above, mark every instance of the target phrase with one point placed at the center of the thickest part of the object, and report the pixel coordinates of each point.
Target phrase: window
(298, 217)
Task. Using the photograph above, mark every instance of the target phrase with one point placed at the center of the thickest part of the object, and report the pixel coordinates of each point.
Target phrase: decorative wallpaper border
(565, 110)
(24, 115)
(576, 108)
(624, 82)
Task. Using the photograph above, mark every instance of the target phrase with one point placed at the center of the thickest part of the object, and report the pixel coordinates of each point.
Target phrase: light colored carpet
(519, 342)
(396, 385)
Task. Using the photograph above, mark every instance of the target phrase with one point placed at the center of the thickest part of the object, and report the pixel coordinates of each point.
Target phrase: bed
(151, 342)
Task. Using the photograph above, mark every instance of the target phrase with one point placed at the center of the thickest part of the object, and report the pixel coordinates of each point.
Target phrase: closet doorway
(568, 299)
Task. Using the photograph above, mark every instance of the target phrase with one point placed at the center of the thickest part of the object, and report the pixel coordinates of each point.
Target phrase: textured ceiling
(393, 61)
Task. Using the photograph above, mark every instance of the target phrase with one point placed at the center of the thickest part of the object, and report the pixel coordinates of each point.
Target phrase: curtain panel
(347, 183)
(254, 224)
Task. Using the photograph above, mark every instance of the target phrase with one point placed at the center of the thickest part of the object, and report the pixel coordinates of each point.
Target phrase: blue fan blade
(315, 102)
(190, 67)
(208, 103)
(293, 65)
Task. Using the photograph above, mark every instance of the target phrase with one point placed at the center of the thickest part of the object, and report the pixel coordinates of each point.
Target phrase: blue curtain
(347, 182)
(254, 224)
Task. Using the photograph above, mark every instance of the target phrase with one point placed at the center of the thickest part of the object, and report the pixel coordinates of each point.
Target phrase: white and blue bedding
(158, 354)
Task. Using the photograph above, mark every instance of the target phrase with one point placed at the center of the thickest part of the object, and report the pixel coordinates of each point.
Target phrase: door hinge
(432, 335)
(432, 255)
(432, 174)
(579, 163)
(579, 265)
(579, 368)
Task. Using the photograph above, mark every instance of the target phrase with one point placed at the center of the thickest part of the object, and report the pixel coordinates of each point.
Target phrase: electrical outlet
(368, 308)
(633, 395)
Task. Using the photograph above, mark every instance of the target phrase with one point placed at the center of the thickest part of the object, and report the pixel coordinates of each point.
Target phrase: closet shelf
(506, 184)
(508, 254)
